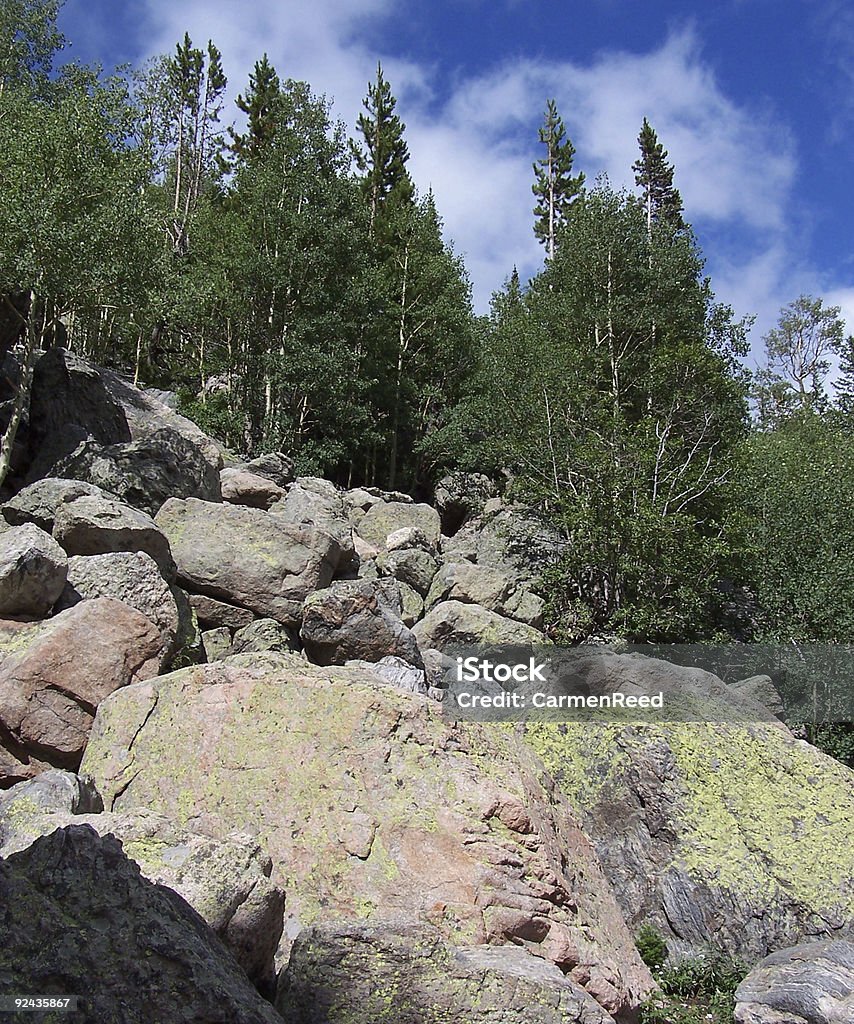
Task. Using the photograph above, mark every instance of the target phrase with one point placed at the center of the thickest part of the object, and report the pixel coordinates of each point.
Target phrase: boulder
(406, 972)
(96, 526)
(275, 466)
(53, 792)
(80, 918)
(461, 496)
(310, 504)
(353, 620)
(412, 566)
(454, 624)
(372, 805)
(38, 502)
(54, 674)
(216, 643)
(760, 688)
(242, 487)
(411, 604)
(809, 984)
(212, 613)
(33, 569)
(263, 635)
(408, 537)
(248, 557)
(396, 672)
(70, 403)
(726, 834)
(144, 473)
(387, 517)
(132, 577)
(493, 589)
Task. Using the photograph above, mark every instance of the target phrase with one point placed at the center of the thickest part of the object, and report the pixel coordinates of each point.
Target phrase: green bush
(651, 946)
(695, 990)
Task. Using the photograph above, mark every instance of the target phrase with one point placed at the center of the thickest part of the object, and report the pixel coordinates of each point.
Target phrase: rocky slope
(247, 668)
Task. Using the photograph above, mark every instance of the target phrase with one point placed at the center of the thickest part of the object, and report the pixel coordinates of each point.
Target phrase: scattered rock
(411, 604)
(275, 466)
(240, 486)
(396, 672)
(761, 689)
(506, 538)
(54, 674)
(77, 909)
(38, 502)
(144, 473)
(493, 589)
(352, 620)
(54, 791)
(387, 517)
(453, 624)
(809, 984)
(412, 566)
(33, 569)
(373, 806)
(248, 557)
(407, 973)
(95, 526)
(212, 613)
(263, 635)
(408, 537)
(461, 496)
(307, 503)
(216, 643)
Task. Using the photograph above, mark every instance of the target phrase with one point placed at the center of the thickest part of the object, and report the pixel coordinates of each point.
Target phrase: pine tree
(258, 105)
(383, 159)
(844, 384)
(654, 175)
(556, 187)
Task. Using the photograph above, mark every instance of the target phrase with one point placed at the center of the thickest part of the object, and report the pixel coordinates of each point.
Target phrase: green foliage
(695, 990)
(651, 946)
(29, 42)
(555, 187)
(654, 175)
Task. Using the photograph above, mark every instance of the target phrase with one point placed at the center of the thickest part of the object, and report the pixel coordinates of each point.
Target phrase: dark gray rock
(241, 486)
(95, 526)
(248, 557)
(406, 973)
(80, 918)
(144, 473)
(808, 984)
(412, 566)
(761, 689)
(461, 496)
(454, 624)
(275, 466)
(33, 569)
(212, 614)
(354, 620)
(264, 635)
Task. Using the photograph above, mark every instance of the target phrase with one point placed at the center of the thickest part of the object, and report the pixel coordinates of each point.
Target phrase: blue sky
(754, 99)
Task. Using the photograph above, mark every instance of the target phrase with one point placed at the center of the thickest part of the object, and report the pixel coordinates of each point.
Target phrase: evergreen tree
(382, 161)
(556, 188)
(654, 175)
(843, 386)
(259, 106)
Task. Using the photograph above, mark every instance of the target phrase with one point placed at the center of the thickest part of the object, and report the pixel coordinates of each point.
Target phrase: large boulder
(144, 473)
(460, 496)
(240, 486)
(96, 526)
(809, 984)
(364, 973)
(38, 502)
(311, 501)
(493, 589)
(70, 403)
(355, 619)
(213, 614)
(33, 569)
(263, 635)
(132, 577)
(226, 881)
(729, 834)
(454, 624)
(412, 566)
(248, 557)
(54, 674)
(372, 805)
(387, 517)
(79, 918)
(275, 466)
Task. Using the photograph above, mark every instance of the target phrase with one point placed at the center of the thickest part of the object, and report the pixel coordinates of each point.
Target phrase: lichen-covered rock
(216, 643)
(38, 502)
(33, 570)
(809, 984)
(407, 973)
(724, 834)
(387, 517)
(412, 566)
(408, 537)
(762, 689)
(131, 577)
(454, 624)
(310, 503)
(275, 466)
(96, 526)
(248, 557)
(240, 486)
(212, 613)
(226, 881)
(461, 496)
(263, 635)
(145, 472)
(411, 604)
(396, 672)
(494, 589)
(372, 805)
(53, 675)
(355, 620)
(78, 917)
